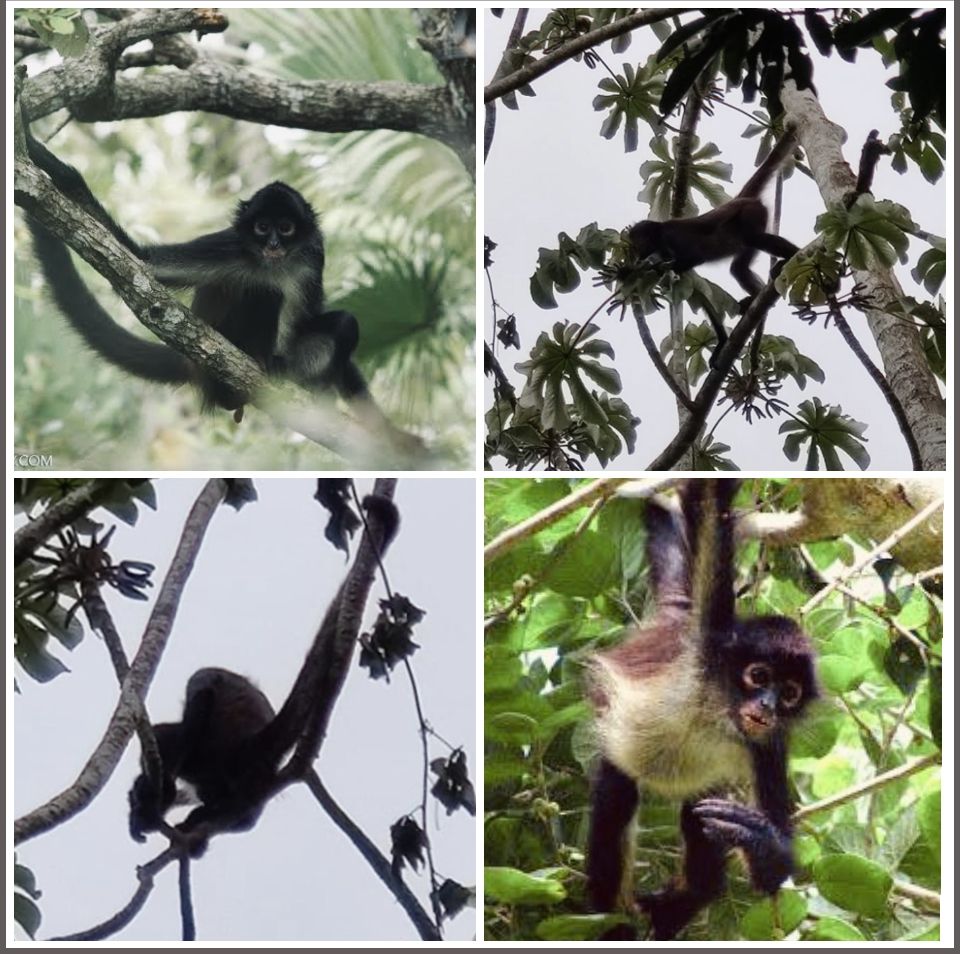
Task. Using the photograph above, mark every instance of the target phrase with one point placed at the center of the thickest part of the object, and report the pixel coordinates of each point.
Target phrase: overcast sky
(549, 171)
(260, 586)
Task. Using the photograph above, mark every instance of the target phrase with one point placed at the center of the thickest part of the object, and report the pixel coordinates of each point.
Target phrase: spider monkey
(736, 229)
(214, 748)
(693, 702)
(258, 282)
(229, 743)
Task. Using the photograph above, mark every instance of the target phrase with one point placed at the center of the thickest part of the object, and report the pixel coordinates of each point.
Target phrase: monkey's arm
(706, 506)
(668, 558)
(150, 798)
(763, 833)
(216, 258)
(767, 849)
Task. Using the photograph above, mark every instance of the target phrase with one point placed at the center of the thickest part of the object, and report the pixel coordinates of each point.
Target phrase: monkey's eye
(790, 693)
(286, 228)
(756, 676)
(260, 227)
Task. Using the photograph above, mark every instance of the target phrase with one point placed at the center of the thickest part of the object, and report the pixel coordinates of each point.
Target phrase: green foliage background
(398, 214)
(868, 869)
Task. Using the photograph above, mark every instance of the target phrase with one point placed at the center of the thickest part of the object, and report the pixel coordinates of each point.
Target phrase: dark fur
(215, 748)
(698, 724)
(737, 229)
(242, 281)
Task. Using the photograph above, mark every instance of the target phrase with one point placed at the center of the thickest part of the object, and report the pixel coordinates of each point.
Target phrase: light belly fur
(675, 738)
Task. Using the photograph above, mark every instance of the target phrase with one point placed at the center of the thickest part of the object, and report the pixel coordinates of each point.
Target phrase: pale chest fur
(669, 732)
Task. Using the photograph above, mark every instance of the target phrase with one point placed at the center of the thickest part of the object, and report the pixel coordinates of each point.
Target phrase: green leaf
(585, 567)
(928, 814)
(772, 918)
(511, 886)
(26, 914)
(832, 929)
(512, 727)
(853, 883)
(578, 927)
(840, 673)
(816, 735)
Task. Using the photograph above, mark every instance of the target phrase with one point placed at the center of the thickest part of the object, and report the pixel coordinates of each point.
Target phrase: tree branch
(707, 395)
(146, 875)
(74, 504)
(381, 866)
(90, 89)
(577, 45)
(101, 763)
(581, 497)
(871, 785)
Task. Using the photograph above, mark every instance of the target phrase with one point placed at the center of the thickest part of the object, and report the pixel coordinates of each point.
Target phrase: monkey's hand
(767, 849)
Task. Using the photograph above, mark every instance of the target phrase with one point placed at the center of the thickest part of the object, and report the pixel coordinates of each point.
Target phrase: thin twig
(409, 903)
(882, 547)
(581, 497)
(865, 788)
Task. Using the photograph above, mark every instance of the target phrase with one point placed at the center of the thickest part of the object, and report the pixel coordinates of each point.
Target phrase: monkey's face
(274, 224)
(766, 697)
(273, 237)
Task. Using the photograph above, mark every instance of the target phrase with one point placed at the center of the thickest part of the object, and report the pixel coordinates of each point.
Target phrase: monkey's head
(770, 676)
(276, 221)
(644, 238)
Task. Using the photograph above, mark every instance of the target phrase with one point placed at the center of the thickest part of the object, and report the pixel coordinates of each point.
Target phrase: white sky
(258, 591)
(549, 171)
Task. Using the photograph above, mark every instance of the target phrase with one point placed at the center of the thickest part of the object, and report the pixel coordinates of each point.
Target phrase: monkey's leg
(745, 276)
(703, 879)
(775, 245)
(718, 330)
(614, 802)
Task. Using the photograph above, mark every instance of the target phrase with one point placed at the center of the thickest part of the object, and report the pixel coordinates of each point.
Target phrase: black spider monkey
(736, 229)
(214, 748)
(693, 702)
(258, 282)
(229, 744)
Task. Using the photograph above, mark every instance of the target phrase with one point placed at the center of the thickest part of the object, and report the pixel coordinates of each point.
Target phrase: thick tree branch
(237, 92)
(104, 759)
(89, 87)
(904, 363)
(874, 506)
